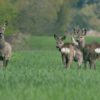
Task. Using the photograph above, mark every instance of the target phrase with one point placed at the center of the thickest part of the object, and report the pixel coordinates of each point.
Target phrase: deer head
(79, 37)
(59, 41)
(2, 29)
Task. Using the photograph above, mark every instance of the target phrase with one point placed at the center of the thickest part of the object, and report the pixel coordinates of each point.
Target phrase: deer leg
(69, 62)
(80, 61)
(85, 64)
(90, 63)
(70, 56)
(5, 62)
(94, 66)
(64, 60)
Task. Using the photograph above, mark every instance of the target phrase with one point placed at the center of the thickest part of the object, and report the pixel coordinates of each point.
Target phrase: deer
(68, 52)
(91, 52)
(5, 47)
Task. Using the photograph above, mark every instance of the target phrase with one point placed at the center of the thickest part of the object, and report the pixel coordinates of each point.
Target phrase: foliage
(45, 17)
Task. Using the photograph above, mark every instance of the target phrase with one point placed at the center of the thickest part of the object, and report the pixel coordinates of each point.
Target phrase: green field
(38, 74)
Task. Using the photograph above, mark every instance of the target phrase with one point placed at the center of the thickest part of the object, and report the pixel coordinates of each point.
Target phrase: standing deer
(68, 52)
(91, 52)
(5, 47)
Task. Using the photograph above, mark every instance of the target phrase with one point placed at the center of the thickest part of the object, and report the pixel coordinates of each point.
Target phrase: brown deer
(68, 52)
(91, 52)
(5, 47)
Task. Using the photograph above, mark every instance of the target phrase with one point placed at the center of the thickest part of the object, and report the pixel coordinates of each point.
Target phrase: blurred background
(46, 17)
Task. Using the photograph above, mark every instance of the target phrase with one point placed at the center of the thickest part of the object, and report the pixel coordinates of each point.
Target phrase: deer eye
(81, 37)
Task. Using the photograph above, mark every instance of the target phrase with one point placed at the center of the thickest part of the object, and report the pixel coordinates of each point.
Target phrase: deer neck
(82, 44)
(2, 43)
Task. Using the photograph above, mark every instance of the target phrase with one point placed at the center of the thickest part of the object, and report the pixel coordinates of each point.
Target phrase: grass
(38, 74)
(43, 42)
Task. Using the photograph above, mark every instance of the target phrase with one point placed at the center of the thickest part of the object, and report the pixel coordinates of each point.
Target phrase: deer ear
(84, 31)
(64, 37)
(74, 30)
(55, 36)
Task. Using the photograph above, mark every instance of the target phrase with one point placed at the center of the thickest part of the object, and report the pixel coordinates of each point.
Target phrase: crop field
(38, 74)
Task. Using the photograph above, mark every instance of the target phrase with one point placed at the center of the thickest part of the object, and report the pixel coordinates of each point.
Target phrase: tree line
(45, 17)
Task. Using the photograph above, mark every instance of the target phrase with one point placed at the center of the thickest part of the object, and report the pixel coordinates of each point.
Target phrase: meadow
(37, 73)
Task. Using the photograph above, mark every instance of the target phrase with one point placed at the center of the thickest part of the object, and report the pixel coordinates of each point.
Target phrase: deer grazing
(68, 52)
(5, 47)
(91, 52)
